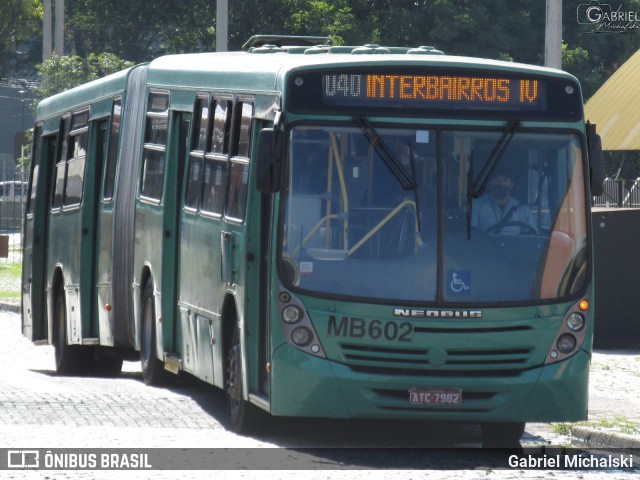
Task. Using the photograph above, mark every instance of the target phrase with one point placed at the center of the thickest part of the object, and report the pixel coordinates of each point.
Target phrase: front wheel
(152, 368)
(243, 416)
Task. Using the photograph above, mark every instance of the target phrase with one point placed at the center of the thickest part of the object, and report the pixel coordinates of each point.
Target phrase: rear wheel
(152, 368)
(502, 434)
(70, 359)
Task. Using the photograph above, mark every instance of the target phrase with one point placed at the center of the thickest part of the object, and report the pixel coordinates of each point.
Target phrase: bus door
(201, 290)
(179, 124)
(242, 254)
(105, 227)
(90, 211)
(66, 229)
(34, 318)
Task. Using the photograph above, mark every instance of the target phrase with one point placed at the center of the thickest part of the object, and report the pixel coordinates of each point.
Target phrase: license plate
(435, 396)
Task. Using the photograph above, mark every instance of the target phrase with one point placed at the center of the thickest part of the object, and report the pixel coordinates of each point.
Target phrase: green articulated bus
(322, 231)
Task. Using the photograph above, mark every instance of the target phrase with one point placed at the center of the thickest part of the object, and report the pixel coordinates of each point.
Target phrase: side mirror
(596, 161)
(268, 161)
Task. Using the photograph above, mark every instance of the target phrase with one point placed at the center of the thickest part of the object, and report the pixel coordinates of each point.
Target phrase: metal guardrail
(619, 193)
(13, 196)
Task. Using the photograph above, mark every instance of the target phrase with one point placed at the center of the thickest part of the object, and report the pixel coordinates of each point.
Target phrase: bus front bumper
(303, 385)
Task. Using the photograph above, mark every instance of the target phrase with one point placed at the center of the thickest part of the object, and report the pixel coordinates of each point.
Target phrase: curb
(594, 437)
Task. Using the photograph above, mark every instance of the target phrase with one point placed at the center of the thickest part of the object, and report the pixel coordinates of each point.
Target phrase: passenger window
(112, 154)
(35, 161)
(196, 156)
(239, 170)
(155, 145)
(221, 127)
(244, 141)
(76, 158)
(238, 182)
(215, 180)
(61, 165)
(216, 159)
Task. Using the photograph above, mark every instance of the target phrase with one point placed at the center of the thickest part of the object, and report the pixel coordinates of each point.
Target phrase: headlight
(566, 343)
(572, 332)
(575, 322)
(291, 314)
(301, 336)
(297, 326)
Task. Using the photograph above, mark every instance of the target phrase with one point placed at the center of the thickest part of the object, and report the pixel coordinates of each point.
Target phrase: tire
(502, 434)
(243, 417)
(152, 368)
(70, 359)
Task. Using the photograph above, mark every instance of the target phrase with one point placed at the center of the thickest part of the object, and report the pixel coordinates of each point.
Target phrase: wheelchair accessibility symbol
(459, 282)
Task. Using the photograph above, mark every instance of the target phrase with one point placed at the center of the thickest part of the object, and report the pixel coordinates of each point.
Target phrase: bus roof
(264, 69)
(90, 92)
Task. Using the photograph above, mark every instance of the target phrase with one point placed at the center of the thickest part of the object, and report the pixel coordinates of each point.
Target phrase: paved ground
(614, 396)
(39, 409)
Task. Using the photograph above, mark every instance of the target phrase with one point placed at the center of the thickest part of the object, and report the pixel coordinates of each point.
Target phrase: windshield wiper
(477, 186)
(406, 180)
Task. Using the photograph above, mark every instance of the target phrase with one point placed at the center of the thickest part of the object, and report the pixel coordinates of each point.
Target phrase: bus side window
(216, 160)
(76, 155)
(112, 154)
(61, 165)
(35, 162)
(199, 141)
(155, 145)
(239, 171)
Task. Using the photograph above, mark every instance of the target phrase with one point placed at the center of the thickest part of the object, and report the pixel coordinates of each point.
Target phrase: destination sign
(433, 90)
(448, 92)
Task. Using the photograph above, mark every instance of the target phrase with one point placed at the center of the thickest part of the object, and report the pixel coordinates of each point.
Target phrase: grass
(10, 277)
(561, 428)
(617, 424)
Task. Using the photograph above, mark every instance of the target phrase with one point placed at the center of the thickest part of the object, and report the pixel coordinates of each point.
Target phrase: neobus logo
(419, 313)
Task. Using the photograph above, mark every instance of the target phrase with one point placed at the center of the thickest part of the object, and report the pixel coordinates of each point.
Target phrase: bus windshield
(353, 227)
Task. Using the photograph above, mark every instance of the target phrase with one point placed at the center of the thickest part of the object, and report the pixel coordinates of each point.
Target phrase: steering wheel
(525, 228)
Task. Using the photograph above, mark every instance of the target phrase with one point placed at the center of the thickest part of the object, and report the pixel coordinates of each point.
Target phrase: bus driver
(498, 212)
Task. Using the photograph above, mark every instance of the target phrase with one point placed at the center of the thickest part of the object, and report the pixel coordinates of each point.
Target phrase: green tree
(496, 29)
(19, 20)
(139, 29)
(313, 17)
(577, 62)
(63, 73)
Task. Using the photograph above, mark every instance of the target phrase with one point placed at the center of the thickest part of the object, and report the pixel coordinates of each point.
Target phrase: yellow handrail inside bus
(343, 190)
(308, 236)
(382, 223)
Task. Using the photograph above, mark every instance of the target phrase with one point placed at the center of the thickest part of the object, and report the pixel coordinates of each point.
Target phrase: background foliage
(139, 30)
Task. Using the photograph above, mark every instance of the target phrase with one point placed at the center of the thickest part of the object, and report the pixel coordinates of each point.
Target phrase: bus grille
(416, 362)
